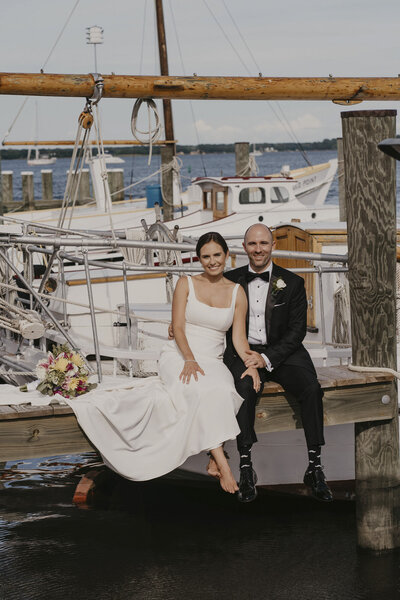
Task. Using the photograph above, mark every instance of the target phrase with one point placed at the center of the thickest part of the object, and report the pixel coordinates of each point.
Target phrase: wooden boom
(91, 142)
(346, 90)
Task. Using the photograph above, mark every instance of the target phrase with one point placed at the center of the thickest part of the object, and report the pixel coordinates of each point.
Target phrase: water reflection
(162, 540)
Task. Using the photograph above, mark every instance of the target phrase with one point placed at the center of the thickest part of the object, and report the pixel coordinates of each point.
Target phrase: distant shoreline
(14, 153)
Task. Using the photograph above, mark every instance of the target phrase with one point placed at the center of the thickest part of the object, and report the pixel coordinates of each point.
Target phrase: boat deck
(35, 431)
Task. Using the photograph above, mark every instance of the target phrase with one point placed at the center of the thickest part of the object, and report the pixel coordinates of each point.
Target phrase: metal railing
(52, 246)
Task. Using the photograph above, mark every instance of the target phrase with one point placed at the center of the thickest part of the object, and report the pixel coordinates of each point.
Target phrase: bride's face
(213, 258)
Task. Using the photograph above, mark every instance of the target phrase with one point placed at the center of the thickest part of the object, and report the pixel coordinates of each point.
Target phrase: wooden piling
(342, 191)
(1, 190)
(167, 180)
(84, 187)
(27, 190)
(242, 159)
(47, 185)
(370, 189)
(116, 183)
(7, 187)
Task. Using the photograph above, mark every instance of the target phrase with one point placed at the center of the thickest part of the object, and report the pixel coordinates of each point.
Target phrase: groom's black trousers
(301, 382)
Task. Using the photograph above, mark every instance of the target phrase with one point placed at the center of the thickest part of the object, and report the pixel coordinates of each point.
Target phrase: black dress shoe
(247, 485)
(316, 481)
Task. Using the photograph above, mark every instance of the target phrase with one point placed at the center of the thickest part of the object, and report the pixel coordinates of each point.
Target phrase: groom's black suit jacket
(285, 319)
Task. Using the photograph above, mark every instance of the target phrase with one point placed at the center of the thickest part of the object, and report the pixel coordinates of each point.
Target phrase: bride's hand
(253, 373)
(190, 368)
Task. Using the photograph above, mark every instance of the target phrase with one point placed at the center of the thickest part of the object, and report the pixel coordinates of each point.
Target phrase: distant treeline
(206, 148)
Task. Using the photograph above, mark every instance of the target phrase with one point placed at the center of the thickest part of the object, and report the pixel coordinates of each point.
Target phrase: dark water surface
(161, 540)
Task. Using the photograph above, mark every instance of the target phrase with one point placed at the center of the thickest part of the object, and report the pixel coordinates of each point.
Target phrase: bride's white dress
(151, 428)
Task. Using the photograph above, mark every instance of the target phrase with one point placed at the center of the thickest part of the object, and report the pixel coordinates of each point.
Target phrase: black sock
(245, 456)
(314, 458)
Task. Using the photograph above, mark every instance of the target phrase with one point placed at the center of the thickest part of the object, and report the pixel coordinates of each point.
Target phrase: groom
(276, 327)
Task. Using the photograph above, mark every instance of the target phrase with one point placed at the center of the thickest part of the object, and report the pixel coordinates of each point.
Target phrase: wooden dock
(37, 431)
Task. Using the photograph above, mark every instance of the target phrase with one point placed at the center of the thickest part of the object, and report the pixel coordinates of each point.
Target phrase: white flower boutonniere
(278, 285)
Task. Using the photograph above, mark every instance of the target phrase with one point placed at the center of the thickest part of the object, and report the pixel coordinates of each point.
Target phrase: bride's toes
(212, 469)
(229, 484)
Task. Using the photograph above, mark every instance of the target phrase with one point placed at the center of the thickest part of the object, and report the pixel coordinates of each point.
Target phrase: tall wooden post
(116, 183)
(47, 185)
(162, 49)
(1, 190)
(371, 225)
(167, 154)
(341, 175)
(7, 190)
(84, 187)
(242, 159)
(28, 190)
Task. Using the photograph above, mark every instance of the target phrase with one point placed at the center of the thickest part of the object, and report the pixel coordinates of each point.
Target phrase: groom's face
(258, 245)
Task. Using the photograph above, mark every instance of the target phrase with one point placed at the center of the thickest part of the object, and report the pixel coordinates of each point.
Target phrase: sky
(346, 38)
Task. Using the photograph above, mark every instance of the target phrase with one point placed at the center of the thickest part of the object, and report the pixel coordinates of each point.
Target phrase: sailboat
(45, 159)
(255, 152)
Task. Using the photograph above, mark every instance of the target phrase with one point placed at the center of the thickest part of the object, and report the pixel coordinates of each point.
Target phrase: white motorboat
(110, 159)
(227, 204)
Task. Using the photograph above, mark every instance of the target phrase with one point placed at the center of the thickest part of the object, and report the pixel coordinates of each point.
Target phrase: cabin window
(207, 200)
(220, 201)
(279, 194)
(253, 195)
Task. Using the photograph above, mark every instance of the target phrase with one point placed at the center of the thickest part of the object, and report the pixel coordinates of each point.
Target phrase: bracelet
(190, 360)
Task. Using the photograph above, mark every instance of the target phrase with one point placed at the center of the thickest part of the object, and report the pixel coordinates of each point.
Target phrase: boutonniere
(278, 285)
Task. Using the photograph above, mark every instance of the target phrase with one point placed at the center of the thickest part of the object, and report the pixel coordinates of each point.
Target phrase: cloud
(301, 124)
(203, 127)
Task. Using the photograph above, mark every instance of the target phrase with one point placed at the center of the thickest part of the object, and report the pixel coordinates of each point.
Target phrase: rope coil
(155, 133)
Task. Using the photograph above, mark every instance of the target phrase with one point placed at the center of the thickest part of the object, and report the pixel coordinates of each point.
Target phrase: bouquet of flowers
(63, 372)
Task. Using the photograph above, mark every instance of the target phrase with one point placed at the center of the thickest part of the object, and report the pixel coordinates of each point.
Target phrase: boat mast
(167, 152)
(162, 49)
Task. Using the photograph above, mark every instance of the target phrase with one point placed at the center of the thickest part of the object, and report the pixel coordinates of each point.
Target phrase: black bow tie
(250, 276)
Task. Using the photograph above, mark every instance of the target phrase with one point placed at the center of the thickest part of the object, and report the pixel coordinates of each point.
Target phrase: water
(163, 541)
(136, 168)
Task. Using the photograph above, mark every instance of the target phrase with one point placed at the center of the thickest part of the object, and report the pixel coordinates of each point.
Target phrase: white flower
(280, 284)
(41, 372)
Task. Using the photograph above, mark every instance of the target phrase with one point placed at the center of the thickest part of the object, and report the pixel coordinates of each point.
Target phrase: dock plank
(34, 431)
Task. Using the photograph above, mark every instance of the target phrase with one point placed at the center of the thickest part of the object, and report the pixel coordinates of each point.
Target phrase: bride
(151, 427)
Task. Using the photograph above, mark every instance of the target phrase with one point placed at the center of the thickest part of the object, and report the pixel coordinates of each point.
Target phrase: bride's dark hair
(211, 236)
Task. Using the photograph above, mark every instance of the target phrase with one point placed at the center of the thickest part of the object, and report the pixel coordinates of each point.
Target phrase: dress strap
(190, 283)
(234, 294)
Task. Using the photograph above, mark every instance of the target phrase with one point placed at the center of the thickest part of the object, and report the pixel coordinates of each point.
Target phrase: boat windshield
(252, 195)
(279, 194)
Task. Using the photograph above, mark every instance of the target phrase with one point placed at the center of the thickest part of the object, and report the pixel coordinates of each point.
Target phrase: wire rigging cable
(282, 119)
(183, 73)
(42, 68)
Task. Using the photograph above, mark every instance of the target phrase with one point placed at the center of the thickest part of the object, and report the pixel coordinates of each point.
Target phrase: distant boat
(45, 159)
(255, 152)
(109, 158)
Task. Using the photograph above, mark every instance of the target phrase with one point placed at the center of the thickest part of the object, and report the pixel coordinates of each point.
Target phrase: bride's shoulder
(230, 284)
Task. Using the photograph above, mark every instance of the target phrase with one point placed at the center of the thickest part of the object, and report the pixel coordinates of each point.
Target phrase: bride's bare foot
(227, 480)
(221, 466)
(212, 468)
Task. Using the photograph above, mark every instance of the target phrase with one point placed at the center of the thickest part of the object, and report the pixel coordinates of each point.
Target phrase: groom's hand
(254, 359)
(170, 332)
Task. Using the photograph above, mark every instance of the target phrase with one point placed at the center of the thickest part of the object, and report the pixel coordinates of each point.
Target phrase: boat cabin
(223, 196)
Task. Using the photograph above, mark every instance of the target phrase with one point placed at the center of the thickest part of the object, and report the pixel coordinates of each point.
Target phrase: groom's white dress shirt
(257, 294)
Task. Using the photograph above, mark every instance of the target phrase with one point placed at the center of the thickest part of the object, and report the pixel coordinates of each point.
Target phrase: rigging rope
(190, 101)
(42, 69)
(352, 367)
(154, 134)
